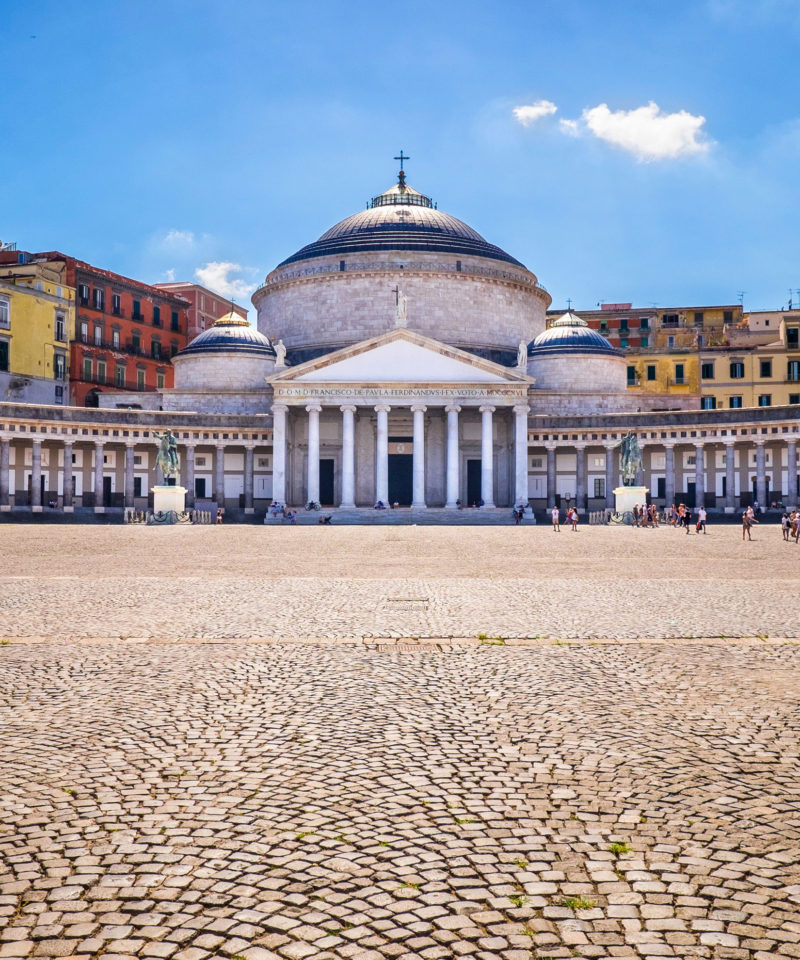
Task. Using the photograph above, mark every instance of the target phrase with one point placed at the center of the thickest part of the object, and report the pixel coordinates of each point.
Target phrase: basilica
(399, 359)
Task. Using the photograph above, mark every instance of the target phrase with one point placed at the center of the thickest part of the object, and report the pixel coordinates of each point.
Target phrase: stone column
(128, 488)
(791, 473)
(580, 476)
(487, 456)
(348, 456)
(521, 455)
(99, 507)
(66, 481)
(312, 467)
(279, 411)
(730, 476)
(5, 458)
(248, 478)
(418, 450)
(761, 476)
(699, 476)
(669, 474)
(36, 476)
(611, 476)
(188, 475)
(453, 465)
(551, 475)
(219, 476)
(641, 473)
(382, 454)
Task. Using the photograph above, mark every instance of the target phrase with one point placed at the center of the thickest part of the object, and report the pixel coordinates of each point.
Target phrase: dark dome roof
(570, 334)
(401, 219)
(230, 334)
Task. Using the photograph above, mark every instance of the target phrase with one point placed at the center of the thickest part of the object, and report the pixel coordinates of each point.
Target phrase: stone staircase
(405, 516)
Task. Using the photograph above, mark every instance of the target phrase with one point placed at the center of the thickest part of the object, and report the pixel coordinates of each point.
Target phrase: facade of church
(400, 358)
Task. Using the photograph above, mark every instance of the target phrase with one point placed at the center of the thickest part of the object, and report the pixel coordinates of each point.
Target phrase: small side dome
(570, 334)
(230, 334)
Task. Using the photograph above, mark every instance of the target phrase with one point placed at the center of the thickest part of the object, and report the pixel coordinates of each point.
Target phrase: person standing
(785, 526)
(556, 520)
(701, 519)
(574, 519)
(748, 519)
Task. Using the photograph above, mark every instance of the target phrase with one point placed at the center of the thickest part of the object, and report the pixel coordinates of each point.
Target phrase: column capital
(382, 407)
(250, 445)
(129, 444)
(729, 441)
(520, 408)
(189, 444)
(280, 407)
(348, 408)
(550, 444)
(487, 408)
(580, 444)
(759, 441)
(418, 408)
(38, 440)
(452, 408)
(698, 444)
(314, 407)
(610, 446)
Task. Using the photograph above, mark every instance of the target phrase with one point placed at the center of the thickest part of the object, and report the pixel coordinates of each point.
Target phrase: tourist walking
(748, 519)
(574, 519)
(701, 519)
(785, 526)
(554, 513)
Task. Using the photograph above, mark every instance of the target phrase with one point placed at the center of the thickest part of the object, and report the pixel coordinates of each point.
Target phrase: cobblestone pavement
(297, 800)
(353, 582)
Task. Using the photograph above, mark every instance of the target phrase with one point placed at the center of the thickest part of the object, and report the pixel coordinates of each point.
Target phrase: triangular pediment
(401, 356)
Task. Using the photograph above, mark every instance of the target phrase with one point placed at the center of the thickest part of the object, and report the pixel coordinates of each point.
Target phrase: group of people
(571, 519)
(790, 525)
(645, 516)
(681, 516)
(279, 510)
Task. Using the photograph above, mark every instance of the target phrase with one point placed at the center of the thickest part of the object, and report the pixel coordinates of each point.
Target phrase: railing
(679, 381)
(105, 382)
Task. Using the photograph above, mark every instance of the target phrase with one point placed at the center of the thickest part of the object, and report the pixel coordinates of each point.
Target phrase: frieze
(503, 393)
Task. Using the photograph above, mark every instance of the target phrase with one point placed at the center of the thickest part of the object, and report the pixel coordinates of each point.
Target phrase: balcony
(678, 381)
(105, 382)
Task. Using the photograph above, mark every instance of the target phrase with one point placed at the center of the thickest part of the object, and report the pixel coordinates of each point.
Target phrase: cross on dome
(401, 177)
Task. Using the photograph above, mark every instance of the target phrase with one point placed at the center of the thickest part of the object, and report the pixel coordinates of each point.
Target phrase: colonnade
(452, 457)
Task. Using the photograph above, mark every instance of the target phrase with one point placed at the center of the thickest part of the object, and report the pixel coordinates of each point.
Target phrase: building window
(623, 323)
(793, 370)
(766, 368)
(61, 327)
(173, 348)
(341, 267)
(737, 370)
(160, 381)
(136, 341)
(631, 376)
(156, 316)
(137, 486)
(4, 356)
(727, 316)
(644, 323)
(59, 394)
(765, 400)
(670, 342)
(98, 334)
(140, 379)
(5, 313)
(87, 368)
(623, 343)
(119, 375)
(669, 320)
(707, 371)
(98, 298)
(83, 294)
(651, 371)
(645, 341)
(175, 325)
(792, 337)
(735, 403)
(137, 310)
(794, 398)
(59, 366)
(155, 349)
(115, 338)
(679, 374)
(116, 304)
(84, 332)
(708, 403)
(698, 320)
(101, 371)
(599, 487)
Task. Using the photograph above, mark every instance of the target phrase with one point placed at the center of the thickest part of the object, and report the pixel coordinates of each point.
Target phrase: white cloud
(526, 115)
(219, 275)
(571, 127)
(178, 238)
(646, 132)
(169, 275)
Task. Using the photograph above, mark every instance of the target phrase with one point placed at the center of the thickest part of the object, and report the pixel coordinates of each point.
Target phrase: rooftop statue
(522, 356)
(280, 354)
(631, 461)
(168, 459)
(401, 311)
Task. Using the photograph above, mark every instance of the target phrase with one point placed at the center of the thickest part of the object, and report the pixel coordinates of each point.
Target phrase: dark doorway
(662, 488)
(91, 399)
(473, 482)
(401, 467)
(765, 504)
(106, 491)
(326, 483)
(691, 493)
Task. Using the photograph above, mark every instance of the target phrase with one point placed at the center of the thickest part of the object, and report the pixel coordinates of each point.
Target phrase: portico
(405, 419)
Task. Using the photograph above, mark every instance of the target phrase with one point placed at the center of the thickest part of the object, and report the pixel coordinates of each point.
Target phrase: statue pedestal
(169, 499)
(628, 497)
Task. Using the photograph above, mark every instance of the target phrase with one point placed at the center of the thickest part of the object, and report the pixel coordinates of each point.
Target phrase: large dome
(570, 334)
(401, 219)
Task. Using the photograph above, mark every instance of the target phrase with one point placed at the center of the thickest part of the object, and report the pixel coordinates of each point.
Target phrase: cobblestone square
(398, 743)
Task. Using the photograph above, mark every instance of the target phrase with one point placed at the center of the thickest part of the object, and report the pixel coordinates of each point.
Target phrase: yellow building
(674, 370)
(758, 366)
(37, 321)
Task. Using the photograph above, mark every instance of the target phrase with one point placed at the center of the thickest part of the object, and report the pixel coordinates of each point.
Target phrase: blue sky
(165, 138)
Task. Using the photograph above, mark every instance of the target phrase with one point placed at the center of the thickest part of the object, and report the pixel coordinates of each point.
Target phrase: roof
(401, 218)
(230, 334)
(570, 334)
